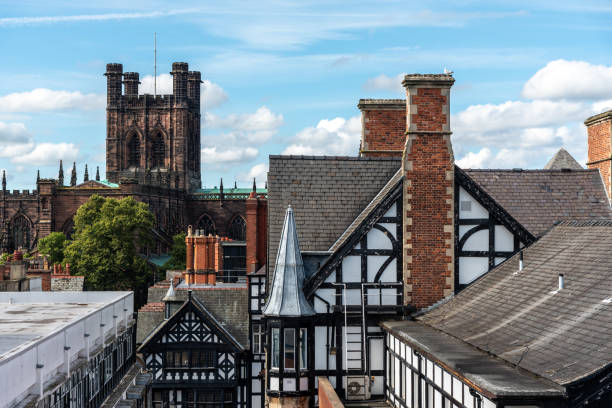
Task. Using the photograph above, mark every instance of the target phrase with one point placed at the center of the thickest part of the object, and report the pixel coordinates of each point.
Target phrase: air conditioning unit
(357, 387)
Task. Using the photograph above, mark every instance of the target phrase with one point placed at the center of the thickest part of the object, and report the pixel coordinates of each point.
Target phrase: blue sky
(285, 77)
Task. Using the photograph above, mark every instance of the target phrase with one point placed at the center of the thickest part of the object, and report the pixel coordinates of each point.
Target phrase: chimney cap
(381, 104)
(600, 117)
(428, 80)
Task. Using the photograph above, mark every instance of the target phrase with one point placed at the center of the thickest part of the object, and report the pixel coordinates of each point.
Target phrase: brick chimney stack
(428, 167)
(383, 127)
(599, 130)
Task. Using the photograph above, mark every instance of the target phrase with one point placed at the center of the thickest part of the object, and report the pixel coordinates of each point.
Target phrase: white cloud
(253, 128)
(42, 99)
(385, 83)
(213, 155)
(211, 94)
(476, 160)
(335, 137)
(259, 172)
(19, 21)
(562, 79)
(15, 139)
(48, 153)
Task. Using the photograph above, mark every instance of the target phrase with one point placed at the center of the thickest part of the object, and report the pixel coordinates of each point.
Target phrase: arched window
(237, 229)
(133, 150)
(21, 232)
(159, 151)
(206, 225)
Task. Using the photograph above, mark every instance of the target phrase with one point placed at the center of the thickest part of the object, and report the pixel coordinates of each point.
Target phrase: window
(206, 226)
(289, 349)
(21, 232)
(237, 229)
(257, 339)
(303, 349)
(203, 358)
(275, 347)
(133, 149)
(159, 151)
(177, 359)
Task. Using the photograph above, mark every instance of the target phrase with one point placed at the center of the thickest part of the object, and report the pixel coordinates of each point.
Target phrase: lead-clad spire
(287, 295)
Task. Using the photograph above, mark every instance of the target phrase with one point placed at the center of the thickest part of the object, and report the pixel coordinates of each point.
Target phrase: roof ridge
(347, 158)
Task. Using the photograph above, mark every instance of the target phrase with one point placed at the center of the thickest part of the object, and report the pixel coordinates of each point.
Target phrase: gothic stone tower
(153, 137)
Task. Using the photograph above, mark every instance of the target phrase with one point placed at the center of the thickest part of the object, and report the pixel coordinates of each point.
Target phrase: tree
(53, 246)
(108, 237)
(178, 253)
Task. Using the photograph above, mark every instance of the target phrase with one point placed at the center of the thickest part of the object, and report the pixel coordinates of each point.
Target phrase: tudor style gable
(485, 233)
(192, 346)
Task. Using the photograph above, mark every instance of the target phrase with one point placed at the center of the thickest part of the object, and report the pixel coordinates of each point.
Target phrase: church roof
(562, 160)
(287, 295)
(539, 198)
(524, 318)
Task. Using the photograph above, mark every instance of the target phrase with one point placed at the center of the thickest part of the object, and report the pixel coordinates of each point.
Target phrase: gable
(192, 323)
(375, 227)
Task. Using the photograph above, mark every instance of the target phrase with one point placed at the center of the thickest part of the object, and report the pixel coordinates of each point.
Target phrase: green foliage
(108, 236)
(4, 257)
(53, 246)
(178, 253)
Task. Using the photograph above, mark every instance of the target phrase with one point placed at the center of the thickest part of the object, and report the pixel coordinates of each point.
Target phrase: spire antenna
(155, 64)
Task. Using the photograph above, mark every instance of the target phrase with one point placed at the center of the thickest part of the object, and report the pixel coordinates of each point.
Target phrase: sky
(284, 77)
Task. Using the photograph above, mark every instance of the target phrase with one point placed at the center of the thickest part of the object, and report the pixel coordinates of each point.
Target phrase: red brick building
(152, 154)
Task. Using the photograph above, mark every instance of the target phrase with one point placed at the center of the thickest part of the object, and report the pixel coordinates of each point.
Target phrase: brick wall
(383, 127)
(67, 283)
(599, 129)
(428, 166)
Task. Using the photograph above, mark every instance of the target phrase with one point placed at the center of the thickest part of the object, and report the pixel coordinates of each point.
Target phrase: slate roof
(562, 160)
(391, 184)
(522, 317)
(490, 375)
(327, 193)
(539, 198)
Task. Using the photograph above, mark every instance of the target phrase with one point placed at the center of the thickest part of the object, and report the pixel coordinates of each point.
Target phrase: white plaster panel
(374, 263)
(376, 351)
(390, 272)
(289, 384)
(256, 386)
(255, 401)
(478, 241)
(392, 211)
(499, 260)
(320, 349)
(274, 383)
(353, 296)
(504, 240)
(373, 296)
(477, 210)
(331, 278)
(351, 268)
(390, 297)
(378, 240)
(377, 385)
(329, 295)
(471, 268)
(256, 367)
(391, 227)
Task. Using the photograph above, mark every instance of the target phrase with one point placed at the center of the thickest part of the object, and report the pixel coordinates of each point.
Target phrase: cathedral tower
(153, 135)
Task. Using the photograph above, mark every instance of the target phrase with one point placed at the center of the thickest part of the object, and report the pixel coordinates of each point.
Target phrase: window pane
(303, 348)
(275, 347)
(290, 349)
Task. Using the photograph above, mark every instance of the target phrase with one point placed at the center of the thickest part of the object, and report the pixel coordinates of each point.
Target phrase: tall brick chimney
(113, 84)
(383, 130)
(428, 167)
(599, 130)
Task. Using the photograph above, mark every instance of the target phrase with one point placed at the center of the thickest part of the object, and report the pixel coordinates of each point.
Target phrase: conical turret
(60, 175)
(73, 176)
(287, 297)
(86, 175)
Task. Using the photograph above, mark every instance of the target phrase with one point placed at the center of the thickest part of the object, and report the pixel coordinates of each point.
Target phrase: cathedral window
(21, 232)
(133, 148)
(159, 151)
(237, 229)
(206, 226)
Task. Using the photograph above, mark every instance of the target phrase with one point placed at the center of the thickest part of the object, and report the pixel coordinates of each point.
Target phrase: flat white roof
(27, 317)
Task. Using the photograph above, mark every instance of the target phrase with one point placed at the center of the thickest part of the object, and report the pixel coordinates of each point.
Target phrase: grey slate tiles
(522, 317)
(539, 198)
